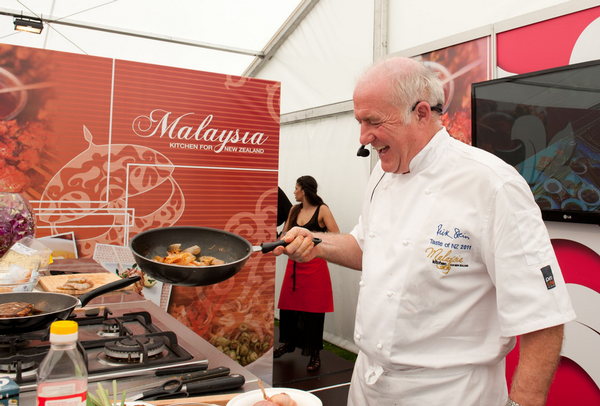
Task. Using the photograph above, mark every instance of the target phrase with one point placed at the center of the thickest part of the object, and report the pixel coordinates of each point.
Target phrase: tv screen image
(547, 125)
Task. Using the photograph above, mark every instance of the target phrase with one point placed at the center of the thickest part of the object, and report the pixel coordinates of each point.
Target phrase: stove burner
(110, 328)
(132, 349)
(12, 368)
(17, 343)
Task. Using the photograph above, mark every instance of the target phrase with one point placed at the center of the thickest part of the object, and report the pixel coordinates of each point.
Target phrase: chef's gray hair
(413, 84)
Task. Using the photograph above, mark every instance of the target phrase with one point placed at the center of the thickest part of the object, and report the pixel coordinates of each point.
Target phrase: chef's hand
(300, 246)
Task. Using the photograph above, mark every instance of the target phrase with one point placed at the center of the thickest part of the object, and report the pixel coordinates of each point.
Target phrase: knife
(185, 378)
(175, 388)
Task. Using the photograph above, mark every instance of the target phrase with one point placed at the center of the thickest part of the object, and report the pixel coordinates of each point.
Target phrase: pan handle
(109, 287)
(270, 246)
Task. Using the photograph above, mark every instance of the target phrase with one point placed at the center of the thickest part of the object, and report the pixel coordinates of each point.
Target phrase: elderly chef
(456, 261)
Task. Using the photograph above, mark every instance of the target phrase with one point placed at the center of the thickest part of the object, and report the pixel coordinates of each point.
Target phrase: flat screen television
(547, 125)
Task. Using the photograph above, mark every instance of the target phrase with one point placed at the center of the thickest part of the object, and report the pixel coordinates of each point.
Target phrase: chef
(456, 261)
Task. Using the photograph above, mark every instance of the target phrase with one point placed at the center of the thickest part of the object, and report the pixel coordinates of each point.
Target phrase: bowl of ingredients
(589, 195)
(553, 186)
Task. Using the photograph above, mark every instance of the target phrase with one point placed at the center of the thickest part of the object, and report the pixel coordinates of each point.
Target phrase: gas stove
(116, 341)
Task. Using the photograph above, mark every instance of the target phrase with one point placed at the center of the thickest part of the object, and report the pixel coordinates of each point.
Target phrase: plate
(302, 398)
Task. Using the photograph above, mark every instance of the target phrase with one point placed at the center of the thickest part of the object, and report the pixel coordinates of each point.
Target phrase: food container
(10, 285)
(553, 186)
(9, 392)
(589, 195)
(19, 277)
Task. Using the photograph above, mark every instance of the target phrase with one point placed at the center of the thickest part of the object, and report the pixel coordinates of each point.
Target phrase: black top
(313, 223)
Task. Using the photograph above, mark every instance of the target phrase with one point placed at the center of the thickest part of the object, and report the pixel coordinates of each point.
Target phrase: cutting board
(51, 283)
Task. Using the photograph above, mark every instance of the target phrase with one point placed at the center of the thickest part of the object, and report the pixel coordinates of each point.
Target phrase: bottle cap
(64, 327)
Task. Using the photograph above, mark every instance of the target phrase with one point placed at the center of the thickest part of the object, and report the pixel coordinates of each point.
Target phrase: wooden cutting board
(51, 283)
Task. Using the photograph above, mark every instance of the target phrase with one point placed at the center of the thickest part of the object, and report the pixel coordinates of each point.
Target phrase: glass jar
(17, 219)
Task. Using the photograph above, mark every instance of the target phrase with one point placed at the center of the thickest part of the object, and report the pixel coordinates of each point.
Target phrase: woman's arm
(326, 218)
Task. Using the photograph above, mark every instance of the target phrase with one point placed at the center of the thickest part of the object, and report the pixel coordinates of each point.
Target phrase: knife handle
(202, 375)
(215, 384)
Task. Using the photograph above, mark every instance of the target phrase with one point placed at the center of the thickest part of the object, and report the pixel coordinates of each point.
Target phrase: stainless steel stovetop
(118, 340)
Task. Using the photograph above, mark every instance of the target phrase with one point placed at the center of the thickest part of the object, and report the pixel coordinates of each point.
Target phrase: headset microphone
(363, 151)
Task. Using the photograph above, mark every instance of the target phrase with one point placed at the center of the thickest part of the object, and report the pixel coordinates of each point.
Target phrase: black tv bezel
(556, 215)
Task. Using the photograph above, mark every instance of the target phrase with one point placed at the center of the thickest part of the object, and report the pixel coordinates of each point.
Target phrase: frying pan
(229, 247)
(54, 306)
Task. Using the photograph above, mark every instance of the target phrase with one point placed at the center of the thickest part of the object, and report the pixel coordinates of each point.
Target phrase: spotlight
(28, 24)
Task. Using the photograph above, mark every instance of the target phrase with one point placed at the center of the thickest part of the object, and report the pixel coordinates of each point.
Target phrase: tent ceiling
(219, 36)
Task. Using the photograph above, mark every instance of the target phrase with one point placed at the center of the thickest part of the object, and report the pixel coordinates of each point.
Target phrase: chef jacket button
(361, 283)
(379, 346)
(385, 186)
(357, 336)
(405, 242)
(390, 293)
(427, 191)
(372, 235)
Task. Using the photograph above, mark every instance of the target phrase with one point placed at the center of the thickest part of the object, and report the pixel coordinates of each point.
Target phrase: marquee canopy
(218, 36)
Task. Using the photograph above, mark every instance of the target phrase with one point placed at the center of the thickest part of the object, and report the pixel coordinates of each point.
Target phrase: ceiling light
(29, 24)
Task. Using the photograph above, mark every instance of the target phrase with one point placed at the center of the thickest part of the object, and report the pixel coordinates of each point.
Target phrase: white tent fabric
(236, 24)
(317, 66)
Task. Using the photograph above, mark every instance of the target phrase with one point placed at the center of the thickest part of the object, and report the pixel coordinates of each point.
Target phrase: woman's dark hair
(309, 185)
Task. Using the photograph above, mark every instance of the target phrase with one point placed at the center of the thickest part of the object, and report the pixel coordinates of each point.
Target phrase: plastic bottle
(62, 375)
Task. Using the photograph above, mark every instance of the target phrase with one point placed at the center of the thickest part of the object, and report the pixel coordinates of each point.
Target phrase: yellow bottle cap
(63, 327)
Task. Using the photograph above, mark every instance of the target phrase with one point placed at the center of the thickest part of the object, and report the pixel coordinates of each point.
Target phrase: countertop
(215, 357)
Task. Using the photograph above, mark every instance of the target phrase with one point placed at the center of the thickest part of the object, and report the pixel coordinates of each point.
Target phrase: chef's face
(298, 193)
(383, 126)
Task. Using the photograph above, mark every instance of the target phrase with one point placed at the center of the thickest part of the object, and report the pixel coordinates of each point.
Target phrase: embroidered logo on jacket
(548, 277)
(445, 242)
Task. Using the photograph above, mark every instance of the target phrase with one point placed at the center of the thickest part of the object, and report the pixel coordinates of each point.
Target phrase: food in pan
(79, 283)
(15, 309)
(187, 257)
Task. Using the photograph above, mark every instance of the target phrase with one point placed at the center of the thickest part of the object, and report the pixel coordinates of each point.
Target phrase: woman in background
(306, 293)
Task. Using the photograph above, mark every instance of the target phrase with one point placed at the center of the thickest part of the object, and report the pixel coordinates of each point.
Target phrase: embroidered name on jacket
(548, 277)
(442, 247)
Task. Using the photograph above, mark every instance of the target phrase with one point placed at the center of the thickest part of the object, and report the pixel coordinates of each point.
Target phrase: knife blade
(174, 391)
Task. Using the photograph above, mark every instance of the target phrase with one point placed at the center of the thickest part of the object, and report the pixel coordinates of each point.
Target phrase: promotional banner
(107, 148)
(458, 67)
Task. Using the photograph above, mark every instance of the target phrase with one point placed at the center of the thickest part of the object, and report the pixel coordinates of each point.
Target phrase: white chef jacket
(456, 262)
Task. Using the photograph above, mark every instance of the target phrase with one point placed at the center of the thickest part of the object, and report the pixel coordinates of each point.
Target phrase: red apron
(308, 289)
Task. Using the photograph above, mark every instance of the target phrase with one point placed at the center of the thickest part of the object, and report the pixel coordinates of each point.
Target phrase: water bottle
(62, 375)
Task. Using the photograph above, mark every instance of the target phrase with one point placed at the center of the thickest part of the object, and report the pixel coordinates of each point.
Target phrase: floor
(330, 383)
